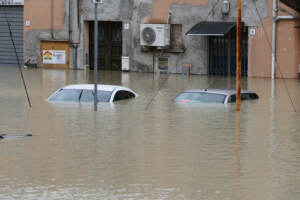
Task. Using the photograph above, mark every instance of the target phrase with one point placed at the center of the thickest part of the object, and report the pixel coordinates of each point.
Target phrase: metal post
(238, 55)
(96, 58)
(274, 38)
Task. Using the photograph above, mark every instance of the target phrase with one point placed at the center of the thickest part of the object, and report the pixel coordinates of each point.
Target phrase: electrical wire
(19, 65)
(279, 68)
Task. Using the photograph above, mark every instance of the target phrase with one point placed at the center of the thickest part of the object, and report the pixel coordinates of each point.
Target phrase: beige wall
(288, 47)
(160, 8)
(38, 12)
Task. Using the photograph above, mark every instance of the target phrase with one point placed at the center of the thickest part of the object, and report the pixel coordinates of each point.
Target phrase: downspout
(73, 39)
(275, 10)
(52, 20)
(274, 33)
(77, 40)
(70, 31)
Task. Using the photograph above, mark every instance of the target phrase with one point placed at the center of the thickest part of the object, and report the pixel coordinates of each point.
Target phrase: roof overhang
(294, 4)
(211, 28)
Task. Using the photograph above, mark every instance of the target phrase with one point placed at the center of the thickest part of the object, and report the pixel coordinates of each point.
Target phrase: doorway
(109, 45)
(222, 54)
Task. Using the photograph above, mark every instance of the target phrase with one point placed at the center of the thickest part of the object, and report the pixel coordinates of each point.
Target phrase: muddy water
(149, 147)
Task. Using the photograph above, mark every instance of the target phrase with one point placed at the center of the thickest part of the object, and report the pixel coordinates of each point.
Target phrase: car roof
(108, 88)
(218, 91)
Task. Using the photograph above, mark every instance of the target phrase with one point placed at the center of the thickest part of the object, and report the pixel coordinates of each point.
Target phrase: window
(244, 97)
(122, 95)
(88, 96)
(253, 96)
(232, 99)
(104, 96)
(176, 36)
(66, 95)
(197, 97)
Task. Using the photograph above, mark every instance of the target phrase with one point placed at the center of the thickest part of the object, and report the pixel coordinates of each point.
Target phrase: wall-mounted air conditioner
(156, 35)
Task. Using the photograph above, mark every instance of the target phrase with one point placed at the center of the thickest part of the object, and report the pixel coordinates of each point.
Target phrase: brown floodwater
(148, 147)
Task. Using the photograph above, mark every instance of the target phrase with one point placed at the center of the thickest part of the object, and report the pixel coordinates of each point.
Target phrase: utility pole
(238, 54)
(275, 8)
(96, 56)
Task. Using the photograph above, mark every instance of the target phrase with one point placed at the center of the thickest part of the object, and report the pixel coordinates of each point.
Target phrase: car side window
(87, 96)
(232, 98)
(253, 96)
(122, 95)
(244, 97)
(66, 95)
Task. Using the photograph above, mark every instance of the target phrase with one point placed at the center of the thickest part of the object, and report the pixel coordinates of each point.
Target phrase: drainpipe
(74, 28)
(274, 33)
(52, 20)
(275, 10)
(69, 22)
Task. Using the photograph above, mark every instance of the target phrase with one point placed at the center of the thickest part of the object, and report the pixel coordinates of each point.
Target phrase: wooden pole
(238, 54)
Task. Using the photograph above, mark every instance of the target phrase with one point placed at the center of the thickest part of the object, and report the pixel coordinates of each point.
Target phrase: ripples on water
(140, 149)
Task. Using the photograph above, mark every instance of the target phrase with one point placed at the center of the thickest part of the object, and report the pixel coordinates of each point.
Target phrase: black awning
(211, 28)
(294, 4)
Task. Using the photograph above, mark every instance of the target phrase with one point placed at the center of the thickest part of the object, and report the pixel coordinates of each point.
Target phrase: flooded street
(148, 147)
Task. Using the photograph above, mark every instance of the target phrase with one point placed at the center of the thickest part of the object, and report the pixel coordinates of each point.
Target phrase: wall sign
(252, 31)
(27, 23)
(54, 57)
(11, 2)
(126, 26)
(163, 63)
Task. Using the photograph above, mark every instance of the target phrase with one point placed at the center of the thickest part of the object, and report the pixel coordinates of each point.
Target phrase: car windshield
(75, 95)
(200, 97)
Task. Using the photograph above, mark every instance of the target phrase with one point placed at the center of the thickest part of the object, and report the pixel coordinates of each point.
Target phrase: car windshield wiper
(80, 95)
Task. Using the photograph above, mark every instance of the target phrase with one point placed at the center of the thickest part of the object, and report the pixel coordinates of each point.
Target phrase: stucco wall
(47, 22)
(260, 47)
(185, 12)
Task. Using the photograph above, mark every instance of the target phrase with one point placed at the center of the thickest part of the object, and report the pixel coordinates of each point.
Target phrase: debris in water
(4, 136)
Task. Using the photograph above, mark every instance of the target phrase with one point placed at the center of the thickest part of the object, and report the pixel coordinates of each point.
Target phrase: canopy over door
(211, 28)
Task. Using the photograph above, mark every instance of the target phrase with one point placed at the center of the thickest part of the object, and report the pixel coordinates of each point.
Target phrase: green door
(109, 45)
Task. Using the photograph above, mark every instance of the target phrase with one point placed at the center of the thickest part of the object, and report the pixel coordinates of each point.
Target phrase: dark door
(222, 54)
(109, 45)
(11, 35)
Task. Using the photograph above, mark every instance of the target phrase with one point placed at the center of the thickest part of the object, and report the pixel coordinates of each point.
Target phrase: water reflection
(167, 151)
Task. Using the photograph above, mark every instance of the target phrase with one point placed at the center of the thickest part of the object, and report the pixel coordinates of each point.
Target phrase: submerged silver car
(85, 93)
(223, 96)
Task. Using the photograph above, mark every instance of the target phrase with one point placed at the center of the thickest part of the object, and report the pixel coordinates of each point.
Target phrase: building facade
(64, 29)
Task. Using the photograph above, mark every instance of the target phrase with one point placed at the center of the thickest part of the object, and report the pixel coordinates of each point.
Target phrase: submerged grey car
(222, 96)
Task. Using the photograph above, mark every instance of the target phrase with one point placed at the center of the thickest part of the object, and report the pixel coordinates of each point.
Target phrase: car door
(123, 95)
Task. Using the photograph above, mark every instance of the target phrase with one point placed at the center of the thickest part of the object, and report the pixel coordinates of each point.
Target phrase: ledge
(175, 50)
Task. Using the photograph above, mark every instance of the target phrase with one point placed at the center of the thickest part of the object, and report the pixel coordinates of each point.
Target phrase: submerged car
(85, 93)
(223, 96)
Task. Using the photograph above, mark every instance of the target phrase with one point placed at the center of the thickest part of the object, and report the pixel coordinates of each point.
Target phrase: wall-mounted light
(97, 1)
(225, 7)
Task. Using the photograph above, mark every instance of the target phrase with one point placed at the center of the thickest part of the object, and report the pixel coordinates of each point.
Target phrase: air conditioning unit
(156, 35)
